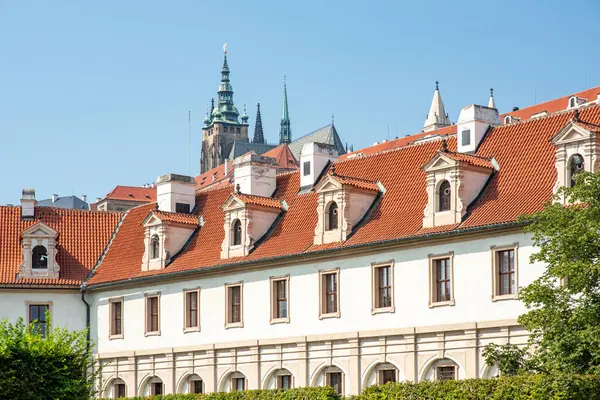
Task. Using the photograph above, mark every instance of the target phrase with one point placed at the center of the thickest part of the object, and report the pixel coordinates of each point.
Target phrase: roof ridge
(468, 155)
(558, 112)
(310, 133)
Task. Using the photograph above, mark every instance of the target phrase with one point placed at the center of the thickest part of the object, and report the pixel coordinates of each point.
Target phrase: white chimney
(314, 157)
(54, 197)
(98, 199)
(226, 167)
(473, 123)
(256, 175)
(28, 203)
(175, 193)
(84, 197)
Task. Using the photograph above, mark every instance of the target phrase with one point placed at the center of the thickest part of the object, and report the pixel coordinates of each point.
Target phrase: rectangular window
(383, 293)
(306, 168)
(239, 384)
(234, 298)
(157, 388)
(153, 314)
(466, 137)
(329, 287)
(116, 318)
(334, 379)
(504, 272)
(387, 375)
(196, 386)
(119, 390)
(280, 299)
(182, 208)
(37, 317)
(441, 285)
(284, 382)
(446, 373)
(192, 310)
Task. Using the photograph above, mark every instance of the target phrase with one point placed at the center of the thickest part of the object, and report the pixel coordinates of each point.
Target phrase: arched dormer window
(572, 102)
(576, 165)
(237, 232)
(507, 119)
(332, 216)
(154, 247)
(39, 257)
(444, 196)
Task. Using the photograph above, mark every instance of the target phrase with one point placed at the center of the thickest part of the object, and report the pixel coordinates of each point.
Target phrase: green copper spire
(225, 110)
(285, 133)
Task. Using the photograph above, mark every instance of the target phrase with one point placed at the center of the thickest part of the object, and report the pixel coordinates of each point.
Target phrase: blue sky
(95, 94)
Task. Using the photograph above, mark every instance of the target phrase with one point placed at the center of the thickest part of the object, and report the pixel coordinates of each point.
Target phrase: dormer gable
(165, 234)
(343, 202)
(454, 180)
(247, 219)
(38, 247)
(576, 150)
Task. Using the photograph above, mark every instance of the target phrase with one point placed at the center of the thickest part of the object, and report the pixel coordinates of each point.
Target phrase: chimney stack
(84, 197)
(256, 175)
(473, 122)
(175, 193)
(28, 203)
(314, 157)
(54, 197)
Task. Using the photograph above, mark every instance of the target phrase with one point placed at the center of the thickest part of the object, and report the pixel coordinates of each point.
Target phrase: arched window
(575, 166)
(507, 119)
(332, 216)
(237, 232)
(572, 102)
(154, 247)
(39, 258)
(444, 196)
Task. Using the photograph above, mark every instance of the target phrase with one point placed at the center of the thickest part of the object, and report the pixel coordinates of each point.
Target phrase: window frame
(192, 385)
(111, 302)
(179, 206)
(273, 280)
(433, 302)
(328, 216)
(28, 305)
(494, 250)
(33, 263)
(381, 375)
(234, 380)
(445, 364)
(306, 168)
(439, 193)
(278, 380)
(186, 310)
(147, 297)
(322, 295)
(228, 305)
(375, 306)
(342, 379)
(235, 232)
(116, 391)
(462, 137)
(154, 251)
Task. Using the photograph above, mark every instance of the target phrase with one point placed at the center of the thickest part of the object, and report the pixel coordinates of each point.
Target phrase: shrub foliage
(306, 393)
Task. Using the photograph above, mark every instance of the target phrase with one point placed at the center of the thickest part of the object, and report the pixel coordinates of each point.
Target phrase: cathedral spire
(226, 110)
(259, 137)
(491, 102)
(285, 133)
(437, 117)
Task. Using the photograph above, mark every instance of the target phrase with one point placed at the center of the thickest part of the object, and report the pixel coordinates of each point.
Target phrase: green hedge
(522, 387)
(308, 393)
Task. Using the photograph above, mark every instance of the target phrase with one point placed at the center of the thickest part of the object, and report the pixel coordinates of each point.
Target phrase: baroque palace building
(400, 261)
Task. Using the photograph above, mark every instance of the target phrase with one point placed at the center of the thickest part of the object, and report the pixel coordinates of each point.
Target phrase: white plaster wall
(472, 292)
(169, 193)
(66, 308)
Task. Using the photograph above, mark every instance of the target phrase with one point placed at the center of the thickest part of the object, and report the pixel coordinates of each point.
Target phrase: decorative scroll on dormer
(247, 219)
(343, 202)
(164, 235)
(39, 252)
(577, 150)
(453, 181)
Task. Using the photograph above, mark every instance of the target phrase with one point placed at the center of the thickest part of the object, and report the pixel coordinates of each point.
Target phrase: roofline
(54, 286)
(310, 133)
(406, 239)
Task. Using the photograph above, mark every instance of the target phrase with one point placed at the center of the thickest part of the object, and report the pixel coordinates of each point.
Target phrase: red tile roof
(82, 237)
(523, 184)
(133, 193)
(356, 182)
(259, 200)
(214, 177)
(283, 156)
(180, 218)
(470, 159)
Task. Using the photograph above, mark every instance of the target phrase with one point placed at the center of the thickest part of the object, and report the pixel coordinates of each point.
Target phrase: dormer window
(332, 216)
(444, 196)
(39, 258)
(576, 165)
(577, 148)
(39, 252)
(237, 232)
(453, 181)
(155, 247)
(343, 201)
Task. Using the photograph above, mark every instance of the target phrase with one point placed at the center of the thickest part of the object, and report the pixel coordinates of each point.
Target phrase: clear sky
(97, 93)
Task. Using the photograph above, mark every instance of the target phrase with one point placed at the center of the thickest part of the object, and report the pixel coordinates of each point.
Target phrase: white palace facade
(397, 262)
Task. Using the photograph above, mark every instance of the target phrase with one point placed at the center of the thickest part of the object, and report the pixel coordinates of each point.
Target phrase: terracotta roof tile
(133, 193)
(82, 238)
(259, 200)
(470, 159)
(180, 218)
(523, 184)
(356, 182)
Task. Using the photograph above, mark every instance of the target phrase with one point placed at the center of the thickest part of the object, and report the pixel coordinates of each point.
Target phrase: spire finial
(333, 169)
(437, 85)
(237, 189)
(444, 145)
(225, 48)
(285, 131)
(576, 115)
(259, 136)
(332, 119)
(491, 92)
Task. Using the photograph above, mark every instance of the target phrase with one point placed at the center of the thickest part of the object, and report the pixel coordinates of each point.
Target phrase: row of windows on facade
(334, 377)
(504, 277)
(227, 129)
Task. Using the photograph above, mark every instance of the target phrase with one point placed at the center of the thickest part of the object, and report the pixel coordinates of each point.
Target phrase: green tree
(56, 365)
(563, 304)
